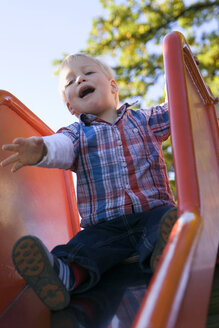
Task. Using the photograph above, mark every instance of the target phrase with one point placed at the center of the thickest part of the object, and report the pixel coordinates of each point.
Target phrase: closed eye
(89, 73)
(69, 83)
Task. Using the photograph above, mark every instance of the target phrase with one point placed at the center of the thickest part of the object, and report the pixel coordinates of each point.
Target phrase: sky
(33, 34)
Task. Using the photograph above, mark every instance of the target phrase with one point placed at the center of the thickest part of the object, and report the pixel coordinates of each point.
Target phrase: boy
(122, 186)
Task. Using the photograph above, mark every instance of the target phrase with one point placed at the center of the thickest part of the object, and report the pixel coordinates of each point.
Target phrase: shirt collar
(87, 119)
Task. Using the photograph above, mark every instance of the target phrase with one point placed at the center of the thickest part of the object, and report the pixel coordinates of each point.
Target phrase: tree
(131, 32)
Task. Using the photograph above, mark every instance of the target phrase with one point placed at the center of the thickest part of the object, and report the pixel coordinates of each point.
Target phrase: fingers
(9, 160)
(15, 157)
(11, 147)
(16, 143)
(19, 141)
(27, 152)
(16, 167)
(12, 159)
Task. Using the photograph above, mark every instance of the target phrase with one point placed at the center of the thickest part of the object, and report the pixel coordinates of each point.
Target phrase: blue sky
(33, 33)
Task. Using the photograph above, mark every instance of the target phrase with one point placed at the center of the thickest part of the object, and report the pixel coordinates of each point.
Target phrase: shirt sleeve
(158, 120)
(60, 152)
(62, 148)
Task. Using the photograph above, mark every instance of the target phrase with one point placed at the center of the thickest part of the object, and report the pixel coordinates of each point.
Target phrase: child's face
(87, 88)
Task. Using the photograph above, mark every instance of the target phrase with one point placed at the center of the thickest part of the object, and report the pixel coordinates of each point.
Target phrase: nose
(80, 78)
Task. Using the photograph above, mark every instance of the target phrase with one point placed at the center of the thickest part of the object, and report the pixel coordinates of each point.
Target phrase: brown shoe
(166, 224)
(33, 262)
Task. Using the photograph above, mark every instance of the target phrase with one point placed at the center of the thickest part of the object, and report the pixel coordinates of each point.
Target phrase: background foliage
(129, 36)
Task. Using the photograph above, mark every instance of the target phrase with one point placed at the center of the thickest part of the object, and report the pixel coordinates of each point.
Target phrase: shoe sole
(166, 224)
(32, 262)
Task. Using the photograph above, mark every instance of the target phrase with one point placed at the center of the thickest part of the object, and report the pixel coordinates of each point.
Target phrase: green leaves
(131, 32)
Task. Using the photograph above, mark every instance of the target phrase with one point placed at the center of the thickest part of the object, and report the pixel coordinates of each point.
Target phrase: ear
(114, 86)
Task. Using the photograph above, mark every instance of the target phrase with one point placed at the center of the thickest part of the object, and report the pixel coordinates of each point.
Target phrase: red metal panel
(178, 295)
(27, 312)
(33, 200)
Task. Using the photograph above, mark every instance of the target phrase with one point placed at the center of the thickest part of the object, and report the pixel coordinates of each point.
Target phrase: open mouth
(85, 91)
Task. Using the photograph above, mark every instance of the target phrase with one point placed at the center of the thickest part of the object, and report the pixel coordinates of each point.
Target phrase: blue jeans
(98, 248)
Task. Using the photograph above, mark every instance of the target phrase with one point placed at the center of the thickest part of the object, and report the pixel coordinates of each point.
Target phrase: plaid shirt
(120, 167)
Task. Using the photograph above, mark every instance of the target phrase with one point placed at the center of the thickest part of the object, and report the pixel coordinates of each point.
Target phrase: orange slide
(42, 202)
(32, 201)
(179, 292)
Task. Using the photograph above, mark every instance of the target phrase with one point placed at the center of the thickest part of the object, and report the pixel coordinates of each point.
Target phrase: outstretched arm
(54, 151)
(27, 151)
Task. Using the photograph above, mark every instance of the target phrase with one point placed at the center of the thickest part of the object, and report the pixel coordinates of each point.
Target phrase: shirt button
(124, 164)
(135, 130)
(127, 186)
(119, 142)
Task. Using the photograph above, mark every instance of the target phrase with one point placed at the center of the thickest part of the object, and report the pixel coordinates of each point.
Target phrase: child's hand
(28, 151)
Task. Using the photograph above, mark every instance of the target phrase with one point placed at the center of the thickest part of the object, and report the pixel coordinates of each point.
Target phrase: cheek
(104, 88)
(69, 95)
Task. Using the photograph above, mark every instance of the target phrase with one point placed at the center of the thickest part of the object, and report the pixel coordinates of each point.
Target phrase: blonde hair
(68, 61)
